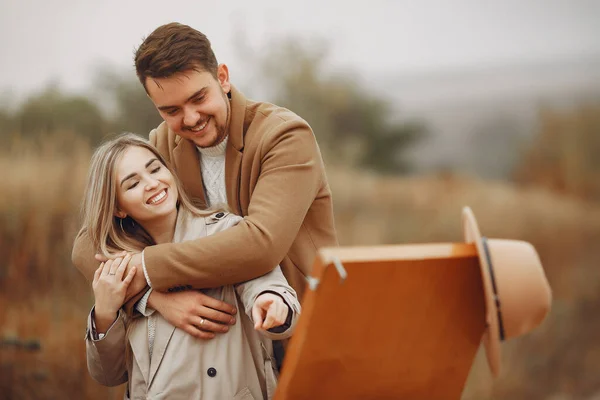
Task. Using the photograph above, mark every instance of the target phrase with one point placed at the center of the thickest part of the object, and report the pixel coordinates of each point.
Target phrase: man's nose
(190, 117)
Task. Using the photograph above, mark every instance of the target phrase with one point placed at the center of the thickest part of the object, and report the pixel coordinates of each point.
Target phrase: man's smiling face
(194, 104)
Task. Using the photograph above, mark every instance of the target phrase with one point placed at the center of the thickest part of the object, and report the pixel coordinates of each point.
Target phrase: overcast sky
(42, 40)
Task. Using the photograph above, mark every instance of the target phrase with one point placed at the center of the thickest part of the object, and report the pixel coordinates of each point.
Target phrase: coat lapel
(233, 160)
(187, 164)
(234, 151)
(138, 338)
(164, 332)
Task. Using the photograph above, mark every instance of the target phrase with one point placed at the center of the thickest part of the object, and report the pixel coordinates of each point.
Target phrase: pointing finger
(257, 317)
(270, 318)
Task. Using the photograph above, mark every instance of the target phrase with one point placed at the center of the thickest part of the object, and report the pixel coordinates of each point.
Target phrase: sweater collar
(214, 151)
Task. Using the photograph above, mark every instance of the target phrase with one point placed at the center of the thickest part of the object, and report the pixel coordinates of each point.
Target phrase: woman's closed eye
(155, 169)
(134, 184)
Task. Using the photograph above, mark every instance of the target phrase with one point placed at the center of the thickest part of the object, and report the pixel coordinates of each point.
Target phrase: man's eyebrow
(198, 93)
(134, 174)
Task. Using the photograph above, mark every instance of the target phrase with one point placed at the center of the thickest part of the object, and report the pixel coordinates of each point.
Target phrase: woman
(133, 199)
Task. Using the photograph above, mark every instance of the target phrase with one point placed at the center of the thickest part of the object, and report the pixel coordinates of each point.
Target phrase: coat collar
(188, 227)
(187, 161)
(187, 164)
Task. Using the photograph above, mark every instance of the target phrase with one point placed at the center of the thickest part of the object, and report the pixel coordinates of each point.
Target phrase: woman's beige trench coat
(238, 364)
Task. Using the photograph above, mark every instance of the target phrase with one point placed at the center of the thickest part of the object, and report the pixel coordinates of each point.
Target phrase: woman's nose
(151, 183)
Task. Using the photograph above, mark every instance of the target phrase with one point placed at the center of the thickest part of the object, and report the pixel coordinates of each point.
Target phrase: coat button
(220, 215)
(212, 372)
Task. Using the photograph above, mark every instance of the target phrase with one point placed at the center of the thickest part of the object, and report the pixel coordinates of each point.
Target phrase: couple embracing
(197, 241)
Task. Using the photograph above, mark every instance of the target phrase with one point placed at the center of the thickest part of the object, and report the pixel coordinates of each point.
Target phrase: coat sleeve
(274, 282)
(106, 357)
(83, 253)
(291, 175)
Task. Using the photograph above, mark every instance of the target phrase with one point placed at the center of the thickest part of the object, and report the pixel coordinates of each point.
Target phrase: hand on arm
(138, 282)
(83, 258)
(194, 312)
(110, 286)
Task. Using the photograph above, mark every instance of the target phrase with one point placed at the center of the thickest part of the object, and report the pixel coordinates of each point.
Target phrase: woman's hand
(139, 280)
(110, 289)
(269, 311)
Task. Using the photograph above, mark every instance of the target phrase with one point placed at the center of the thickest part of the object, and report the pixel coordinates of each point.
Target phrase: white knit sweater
(212, 164)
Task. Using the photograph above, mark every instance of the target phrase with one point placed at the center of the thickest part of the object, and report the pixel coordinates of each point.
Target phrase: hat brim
(491, 337)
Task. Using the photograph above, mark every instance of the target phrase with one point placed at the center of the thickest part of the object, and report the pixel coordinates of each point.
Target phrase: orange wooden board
(405, 323)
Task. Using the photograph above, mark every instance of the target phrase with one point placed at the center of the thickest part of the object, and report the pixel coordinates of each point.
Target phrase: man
(260, 159)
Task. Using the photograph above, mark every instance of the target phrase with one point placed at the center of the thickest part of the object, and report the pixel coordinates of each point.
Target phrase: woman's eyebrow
(128, 177)
(135, 173)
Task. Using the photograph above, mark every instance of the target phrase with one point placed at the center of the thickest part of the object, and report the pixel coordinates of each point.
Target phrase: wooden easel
(387, 322)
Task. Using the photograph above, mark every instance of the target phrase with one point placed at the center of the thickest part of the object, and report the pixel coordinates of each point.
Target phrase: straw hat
(517, 294)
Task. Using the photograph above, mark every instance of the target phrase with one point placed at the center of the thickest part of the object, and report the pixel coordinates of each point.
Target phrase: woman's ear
(120, 214)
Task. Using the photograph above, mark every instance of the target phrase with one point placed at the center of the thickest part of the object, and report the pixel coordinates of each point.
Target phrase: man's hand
(139, 280)
(194, 312)
(269, 311)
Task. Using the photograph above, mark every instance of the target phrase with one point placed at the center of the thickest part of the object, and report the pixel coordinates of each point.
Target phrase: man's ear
(223, 78)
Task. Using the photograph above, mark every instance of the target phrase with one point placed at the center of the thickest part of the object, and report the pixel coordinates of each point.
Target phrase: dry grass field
(44, 300)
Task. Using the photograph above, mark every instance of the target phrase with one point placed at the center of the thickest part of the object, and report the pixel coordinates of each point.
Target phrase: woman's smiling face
(146, 189)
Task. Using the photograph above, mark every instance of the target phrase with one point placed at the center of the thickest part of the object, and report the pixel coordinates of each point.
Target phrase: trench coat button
(212, 372)
(220, 215)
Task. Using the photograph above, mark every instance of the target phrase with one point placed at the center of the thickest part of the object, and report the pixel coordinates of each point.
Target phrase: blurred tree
(564, 155)
(351, 124)
(6, 123)
(127, 102)
(52, 110)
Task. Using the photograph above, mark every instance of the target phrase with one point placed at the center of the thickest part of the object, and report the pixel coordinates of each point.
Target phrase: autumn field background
(519, 144)
(44, 300)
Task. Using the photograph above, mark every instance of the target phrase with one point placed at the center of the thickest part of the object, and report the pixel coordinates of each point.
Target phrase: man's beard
(222, 129)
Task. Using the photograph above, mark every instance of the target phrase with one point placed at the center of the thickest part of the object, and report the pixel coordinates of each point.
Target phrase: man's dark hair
(174, 48)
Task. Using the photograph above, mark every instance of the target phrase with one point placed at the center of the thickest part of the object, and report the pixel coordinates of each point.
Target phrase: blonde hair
(108, 233)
